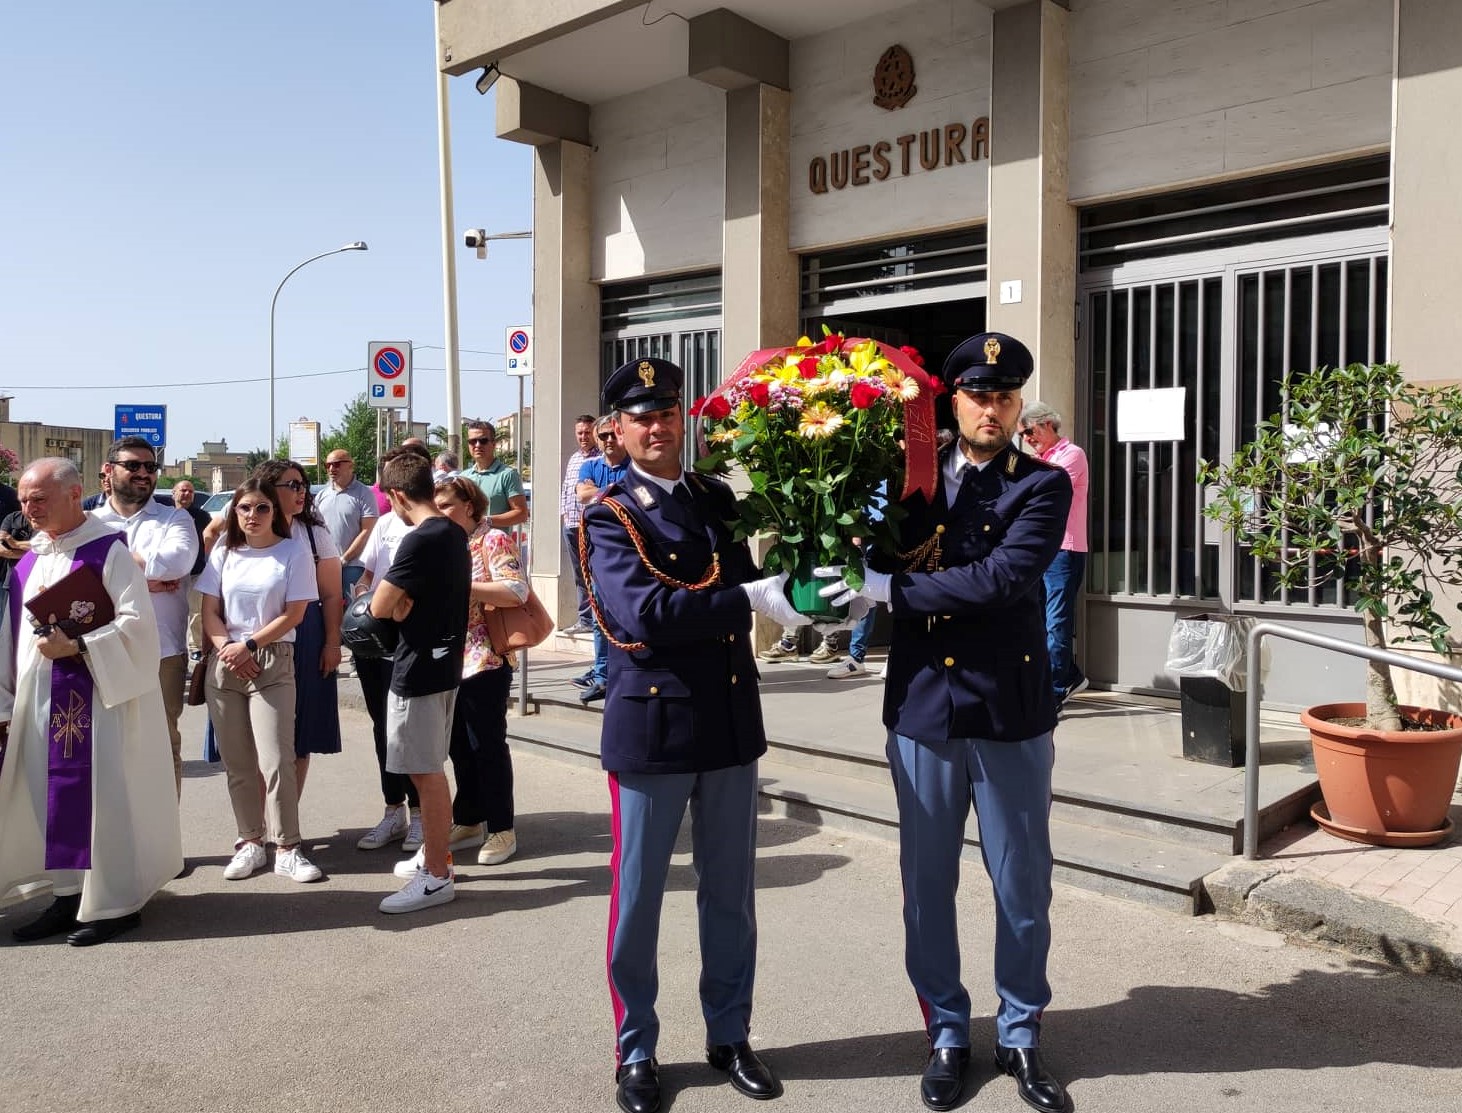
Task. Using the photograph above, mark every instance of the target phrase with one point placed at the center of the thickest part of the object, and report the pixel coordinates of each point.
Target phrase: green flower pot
(803, 588)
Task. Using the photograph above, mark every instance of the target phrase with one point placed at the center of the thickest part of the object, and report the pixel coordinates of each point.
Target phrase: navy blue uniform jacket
(688, 701)
(968, 657)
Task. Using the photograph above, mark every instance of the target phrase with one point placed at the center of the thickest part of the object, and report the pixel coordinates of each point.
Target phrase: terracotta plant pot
(1380, 783)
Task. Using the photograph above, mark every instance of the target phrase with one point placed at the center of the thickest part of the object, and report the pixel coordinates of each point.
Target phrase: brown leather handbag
(198, 678)
(510, 628)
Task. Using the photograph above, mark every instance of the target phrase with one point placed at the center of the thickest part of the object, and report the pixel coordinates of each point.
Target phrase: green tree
(356, 433)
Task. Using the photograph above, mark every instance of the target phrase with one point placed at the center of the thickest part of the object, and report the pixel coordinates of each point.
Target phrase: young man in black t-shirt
(426, 593)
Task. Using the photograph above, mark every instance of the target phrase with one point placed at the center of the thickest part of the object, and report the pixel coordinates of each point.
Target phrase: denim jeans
(571, 542)
(600, 671)
(1063, 584)
(862, 630)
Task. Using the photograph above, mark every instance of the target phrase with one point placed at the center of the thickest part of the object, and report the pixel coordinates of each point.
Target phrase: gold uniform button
(1027, 658)
(654, 691)
(733, 678)
(676, 556)
(987, 530)
(939, 529)
(730, 637)
(949, 662)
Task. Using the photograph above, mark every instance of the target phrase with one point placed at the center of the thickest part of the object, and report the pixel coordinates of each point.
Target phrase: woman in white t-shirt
(255, 588)
(317, 641)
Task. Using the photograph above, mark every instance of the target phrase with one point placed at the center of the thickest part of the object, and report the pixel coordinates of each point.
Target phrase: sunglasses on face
(607, 437)
(474, 441)
(294, 485)
(249, 509)
(336, 463)
(135, 466)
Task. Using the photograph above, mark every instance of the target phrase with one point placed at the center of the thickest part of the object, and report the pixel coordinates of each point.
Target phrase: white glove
(768, 598)
(875, 588)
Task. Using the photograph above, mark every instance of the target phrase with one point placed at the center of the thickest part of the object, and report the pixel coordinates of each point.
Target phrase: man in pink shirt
(1040, 429)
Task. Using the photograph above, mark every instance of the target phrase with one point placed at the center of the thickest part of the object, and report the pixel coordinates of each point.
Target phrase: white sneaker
(412, 841)
(844, 669)
(499, 847)
(422, 891)
(464, 837)
(392, 828)
(249, 858)
(294, 865)
(407, 867)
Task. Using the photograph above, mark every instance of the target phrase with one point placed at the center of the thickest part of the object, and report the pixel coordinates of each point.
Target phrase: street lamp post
(358, 245)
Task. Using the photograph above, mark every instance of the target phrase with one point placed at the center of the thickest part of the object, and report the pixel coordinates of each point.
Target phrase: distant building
(507, 436)
(31, 440)
(214, 468)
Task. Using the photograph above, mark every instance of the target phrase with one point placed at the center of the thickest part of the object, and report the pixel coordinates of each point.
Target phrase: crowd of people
(980, 662)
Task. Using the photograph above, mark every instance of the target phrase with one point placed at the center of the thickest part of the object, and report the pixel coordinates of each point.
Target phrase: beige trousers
(172, 675)
(254, 722)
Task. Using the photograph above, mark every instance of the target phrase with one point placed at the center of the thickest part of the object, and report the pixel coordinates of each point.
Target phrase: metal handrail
(1257, 633)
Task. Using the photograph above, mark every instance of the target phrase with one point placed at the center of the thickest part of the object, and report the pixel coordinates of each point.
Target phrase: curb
(1310, 911)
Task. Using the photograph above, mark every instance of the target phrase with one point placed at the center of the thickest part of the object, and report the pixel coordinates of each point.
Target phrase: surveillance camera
(476, 237)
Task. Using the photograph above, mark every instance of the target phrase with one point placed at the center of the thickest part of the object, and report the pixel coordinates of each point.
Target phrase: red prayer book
(78, 600)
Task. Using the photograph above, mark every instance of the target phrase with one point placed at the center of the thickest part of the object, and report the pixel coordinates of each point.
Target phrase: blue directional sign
(142, 421)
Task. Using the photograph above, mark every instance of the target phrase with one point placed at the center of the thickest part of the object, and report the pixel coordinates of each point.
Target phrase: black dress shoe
(639, 1087)
(1037, 1087)
(99, 931)
(944, 1077)
(58, 919)
(591, 693)
(748, 1074)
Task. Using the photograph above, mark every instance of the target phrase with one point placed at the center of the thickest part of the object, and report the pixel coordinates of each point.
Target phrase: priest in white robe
(87, 798)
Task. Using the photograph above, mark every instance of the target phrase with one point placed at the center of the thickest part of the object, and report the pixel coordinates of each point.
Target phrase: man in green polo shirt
(501, 483)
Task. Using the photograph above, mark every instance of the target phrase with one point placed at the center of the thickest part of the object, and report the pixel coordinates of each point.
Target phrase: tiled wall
(1171, 91)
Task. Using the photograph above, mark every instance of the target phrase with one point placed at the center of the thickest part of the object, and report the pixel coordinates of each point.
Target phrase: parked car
(216, 504)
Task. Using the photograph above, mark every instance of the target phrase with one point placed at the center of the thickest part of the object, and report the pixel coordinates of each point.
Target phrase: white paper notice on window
(1151, 415)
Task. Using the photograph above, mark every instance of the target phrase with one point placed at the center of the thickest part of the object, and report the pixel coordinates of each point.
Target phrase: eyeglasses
(249, 509)
(135, 466)
(294, 485)
(607, 437)
(481, 440)
(337, 463)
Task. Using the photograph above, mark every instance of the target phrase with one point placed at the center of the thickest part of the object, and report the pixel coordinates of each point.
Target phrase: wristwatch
(251, 645)
(80, 646)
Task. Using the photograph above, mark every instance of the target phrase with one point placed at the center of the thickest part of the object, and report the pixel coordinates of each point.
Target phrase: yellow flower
(866, 359)
(724, 436)
(900, 384)
(819, 420)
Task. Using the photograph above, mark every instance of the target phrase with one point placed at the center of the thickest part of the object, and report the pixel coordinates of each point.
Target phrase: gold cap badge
(647, 372)
(992, 351)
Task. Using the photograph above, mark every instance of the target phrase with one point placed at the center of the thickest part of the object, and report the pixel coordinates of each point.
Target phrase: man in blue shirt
(595, 476)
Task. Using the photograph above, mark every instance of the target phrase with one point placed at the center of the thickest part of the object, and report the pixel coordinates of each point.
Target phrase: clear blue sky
(166, 163)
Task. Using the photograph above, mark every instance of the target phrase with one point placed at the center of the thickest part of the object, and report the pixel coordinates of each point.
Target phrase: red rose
(697, 406)
(936, 386)
(826, 346)
(863, 395)
(913, 354)
(808, 367)
(760, 394)
(716, 407)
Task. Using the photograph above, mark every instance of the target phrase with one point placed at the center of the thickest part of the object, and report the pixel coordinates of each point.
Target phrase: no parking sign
(388, 374)
(518, 347)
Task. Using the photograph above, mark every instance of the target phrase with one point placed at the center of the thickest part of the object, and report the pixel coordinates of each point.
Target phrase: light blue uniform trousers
(1010, 785)
(646, 813)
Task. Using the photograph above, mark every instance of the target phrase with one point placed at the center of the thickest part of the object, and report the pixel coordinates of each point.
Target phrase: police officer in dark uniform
(673, 592)
(970, 711)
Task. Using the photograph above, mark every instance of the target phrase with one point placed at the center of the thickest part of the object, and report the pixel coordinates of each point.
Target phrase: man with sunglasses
(595, 477)
(164, 543)
(507, 505)
(570, 513)
(349, 510)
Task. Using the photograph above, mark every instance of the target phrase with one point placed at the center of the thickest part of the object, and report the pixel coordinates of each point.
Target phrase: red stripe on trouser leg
(614, 999)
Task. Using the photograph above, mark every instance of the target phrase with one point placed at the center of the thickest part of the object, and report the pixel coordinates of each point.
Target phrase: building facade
(33, 440)
(1199, 195)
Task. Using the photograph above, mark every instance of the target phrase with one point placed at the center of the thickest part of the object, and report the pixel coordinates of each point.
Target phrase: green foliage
(356, 433)
(1359, 478)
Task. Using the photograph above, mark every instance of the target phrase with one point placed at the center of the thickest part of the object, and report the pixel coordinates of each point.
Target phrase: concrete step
(1132, 864)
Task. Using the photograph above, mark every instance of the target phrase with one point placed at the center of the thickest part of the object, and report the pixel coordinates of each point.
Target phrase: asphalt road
(266, 995)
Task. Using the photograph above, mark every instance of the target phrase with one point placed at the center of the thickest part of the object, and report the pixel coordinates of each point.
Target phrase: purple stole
(68, 731)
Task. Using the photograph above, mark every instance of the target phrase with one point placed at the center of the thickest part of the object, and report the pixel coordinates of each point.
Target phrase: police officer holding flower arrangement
(673, 593)
(970, 710)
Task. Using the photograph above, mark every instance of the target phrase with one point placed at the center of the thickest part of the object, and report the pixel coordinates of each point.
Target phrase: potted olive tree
(1359, 479)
